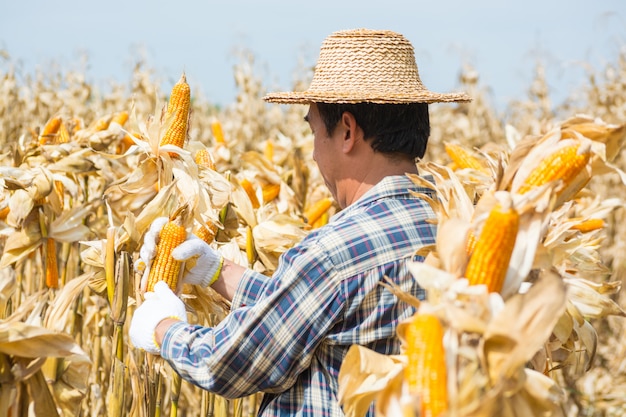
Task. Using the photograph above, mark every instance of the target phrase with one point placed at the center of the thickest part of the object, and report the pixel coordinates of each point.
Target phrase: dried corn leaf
(242, 204)
(21, 205)
(70, 225)
(590, 300)
(451, 245)
(611, 135)
(61, 311)
(539, 396)
(524, 325)
(28, 341)
(363, 375)
(20, 244)
(433, 279)
(40, 399)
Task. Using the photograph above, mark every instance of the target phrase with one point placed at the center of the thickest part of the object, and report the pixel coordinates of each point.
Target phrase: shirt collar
(395, 185)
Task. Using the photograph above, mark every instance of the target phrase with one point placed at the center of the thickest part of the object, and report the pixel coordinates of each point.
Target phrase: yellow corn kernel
(50, 130)
(425, 372)
(178, 112)
(588, 225)
(164, 267)
(218, 133)
(471, 242)
(491, 256)
(203, 158)
(249, 189)
(270, 192)
(313, 213)
(564, 164)
(463, 158)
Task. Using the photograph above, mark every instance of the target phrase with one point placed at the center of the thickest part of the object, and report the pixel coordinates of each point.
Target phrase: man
(287, 334)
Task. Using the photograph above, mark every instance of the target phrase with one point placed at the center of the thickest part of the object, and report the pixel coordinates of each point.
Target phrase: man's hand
(208, 262)
(208, 265)
(157, 306)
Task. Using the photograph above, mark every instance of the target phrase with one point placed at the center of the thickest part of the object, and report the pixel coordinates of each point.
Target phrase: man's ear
(351, 131)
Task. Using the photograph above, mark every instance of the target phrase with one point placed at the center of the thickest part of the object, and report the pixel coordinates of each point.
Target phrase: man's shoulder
(381, 231)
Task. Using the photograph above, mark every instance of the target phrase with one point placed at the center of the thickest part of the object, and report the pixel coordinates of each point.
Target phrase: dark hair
(393, 128)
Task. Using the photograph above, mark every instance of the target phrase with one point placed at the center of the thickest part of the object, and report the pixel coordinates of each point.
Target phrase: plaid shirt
(287, 334)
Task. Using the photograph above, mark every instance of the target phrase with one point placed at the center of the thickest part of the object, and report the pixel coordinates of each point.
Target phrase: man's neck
(370, 172)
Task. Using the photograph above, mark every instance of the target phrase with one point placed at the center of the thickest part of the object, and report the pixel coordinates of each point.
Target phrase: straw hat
(361, 65)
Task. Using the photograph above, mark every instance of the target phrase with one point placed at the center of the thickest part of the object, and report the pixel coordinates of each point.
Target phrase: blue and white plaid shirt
(287, 334)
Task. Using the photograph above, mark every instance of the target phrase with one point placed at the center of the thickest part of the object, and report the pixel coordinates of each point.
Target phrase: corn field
(85, 172)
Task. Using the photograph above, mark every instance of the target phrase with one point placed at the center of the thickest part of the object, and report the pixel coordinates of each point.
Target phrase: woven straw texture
(361, 65)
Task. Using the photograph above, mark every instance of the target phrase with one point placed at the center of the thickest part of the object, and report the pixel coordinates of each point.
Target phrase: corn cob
(321, 221)
(270, 192)
(588, 225)
(60, 190)
(178, 111)
(206, 233)
(316, 210)
(490, 258)
(120, 118)
(124, 144)
(564, 164)
(268, 152)
(50, 130)
(250, 248)
(249, 189)
(462, 158)
(64, 134)
(203, 158)
(164, 267)
(218, 133)
(4, 212)
(425, 372)
(52, 269)
(102, 123)
(109, 263)
(127, 141)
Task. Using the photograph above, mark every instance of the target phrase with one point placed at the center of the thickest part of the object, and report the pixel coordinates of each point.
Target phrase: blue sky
(502, 40)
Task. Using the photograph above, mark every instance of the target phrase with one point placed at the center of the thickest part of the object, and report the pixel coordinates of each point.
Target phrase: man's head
(373, 75)
(368, 110)
(393, 129)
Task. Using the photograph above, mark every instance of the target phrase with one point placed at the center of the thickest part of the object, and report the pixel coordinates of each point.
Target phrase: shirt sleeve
(266, 344)
(251, 285)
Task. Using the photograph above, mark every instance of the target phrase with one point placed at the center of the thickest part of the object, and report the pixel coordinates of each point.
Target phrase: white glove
(208, 265)
(147, 251)
(158, 305)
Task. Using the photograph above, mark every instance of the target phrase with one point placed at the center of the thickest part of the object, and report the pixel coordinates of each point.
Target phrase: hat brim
(307, 97)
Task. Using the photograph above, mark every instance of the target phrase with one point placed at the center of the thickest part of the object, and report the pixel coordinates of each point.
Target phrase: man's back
(341, 302)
